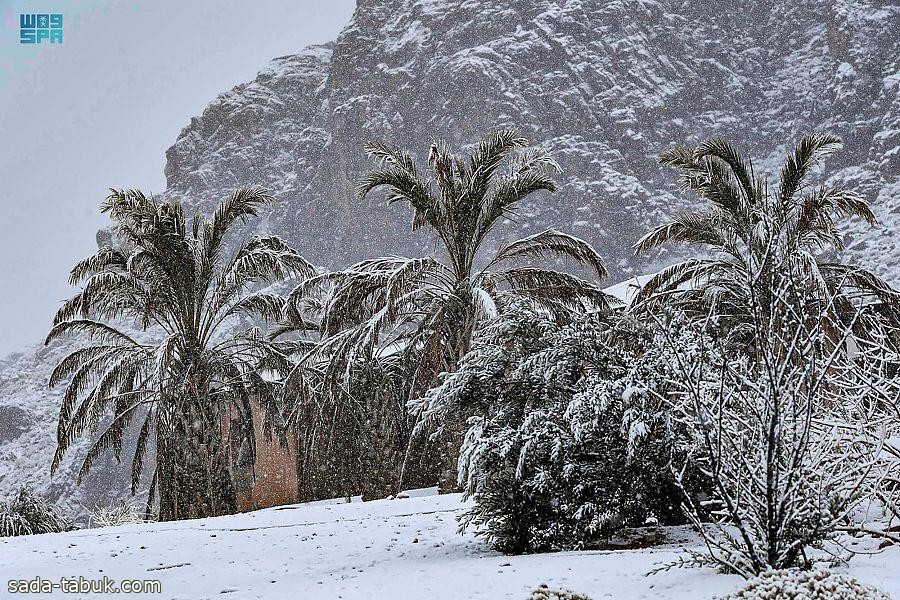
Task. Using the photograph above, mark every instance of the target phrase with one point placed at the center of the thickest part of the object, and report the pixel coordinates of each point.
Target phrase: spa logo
(40, 28)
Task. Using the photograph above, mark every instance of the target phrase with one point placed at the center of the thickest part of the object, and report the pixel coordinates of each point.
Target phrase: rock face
(604, 86)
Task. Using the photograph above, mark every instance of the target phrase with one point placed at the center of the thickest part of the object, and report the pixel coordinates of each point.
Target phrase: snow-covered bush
(883, 366)
(571, 441)
(792, 584)
(545, 593)
(118, 512)
(28, 513)
(790, 433)
(793, 405)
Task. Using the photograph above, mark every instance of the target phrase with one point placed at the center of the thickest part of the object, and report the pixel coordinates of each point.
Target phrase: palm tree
(161, 313)
(756, 236)
(427, 309)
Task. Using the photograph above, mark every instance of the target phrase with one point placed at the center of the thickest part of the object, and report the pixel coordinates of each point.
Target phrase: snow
(625, 291)
(404, 548)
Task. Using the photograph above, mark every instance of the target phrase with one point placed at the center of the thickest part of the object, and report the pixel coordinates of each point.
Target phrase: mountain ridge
(605, 87)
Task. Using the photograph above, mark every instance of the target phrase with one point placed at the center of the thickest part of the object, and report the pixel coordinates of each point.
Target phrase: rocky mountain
(604, 86)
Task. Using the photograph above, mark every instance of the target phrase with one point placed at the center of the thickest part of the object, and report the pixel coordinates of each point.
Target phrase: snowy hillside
(397, 549)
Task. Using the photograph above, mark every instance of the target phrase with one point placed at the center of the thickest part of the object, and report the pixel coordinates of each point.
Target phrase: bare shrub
(117, 512)
(789, 432)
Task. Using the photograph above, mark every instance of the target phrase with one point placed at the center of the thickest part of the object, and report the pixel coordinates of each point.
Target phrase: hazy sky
(99, 111)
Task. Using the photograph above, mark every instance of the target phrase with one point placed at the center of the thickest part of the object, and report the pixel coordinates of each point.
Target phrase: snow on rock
(604, 86)
(405, 548)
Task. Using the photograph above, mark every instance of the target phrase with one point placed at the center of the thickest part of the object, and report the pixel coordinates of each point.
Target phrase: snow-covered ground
(399, 549)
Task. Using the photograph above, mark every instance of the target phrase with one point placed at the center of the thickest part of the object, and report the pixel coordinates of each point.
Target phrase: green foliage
(28, 514)
(571, 441)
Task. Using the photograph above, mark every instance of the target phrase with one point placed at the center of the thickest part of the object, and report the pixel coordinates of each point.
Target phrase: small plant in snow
(791, 584)
(118, 512)
(28, 514)
(545, 593)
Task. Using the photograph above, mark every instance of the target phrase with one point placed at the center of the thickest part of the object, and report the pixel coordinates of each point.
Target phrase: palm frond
(680, 157)
(548, 286)
(268, 307)
(110, 438)
(243, 203)
(800, 162)
(93, 329)
(104, 259)
(708, 228)
(816, 208)
(508, 192)
(551, 241)
(140, 449)
(741, 168)
(487, 158)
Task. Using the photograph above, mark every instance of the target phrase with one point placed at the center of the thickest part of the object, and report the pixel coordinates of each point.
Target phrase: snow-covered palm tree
(161, 311)
(428, 308)
(755, 232)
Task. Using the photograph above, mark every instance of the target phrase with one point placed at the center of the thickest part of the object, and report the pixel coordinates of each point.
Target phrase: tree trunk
(455, 423)
(379, 461)
(451, 440)
(194, 476)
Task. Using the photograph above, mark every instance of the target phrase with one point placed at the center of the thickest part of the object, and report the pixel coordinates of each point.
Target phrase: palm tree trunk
(451, 440)
(454, 430)
(194, 476)
(382, 458)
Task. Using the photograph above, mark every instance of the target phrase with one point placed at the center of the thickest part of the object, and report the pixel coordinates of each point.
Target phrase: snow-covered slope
(605, 86)
(397, 549)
